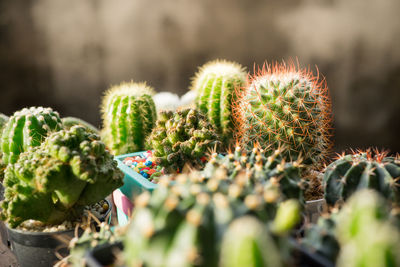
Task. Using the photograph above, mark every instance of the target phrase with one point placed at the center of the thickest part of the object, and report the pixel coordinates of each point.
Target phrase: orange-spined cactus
(283, 105)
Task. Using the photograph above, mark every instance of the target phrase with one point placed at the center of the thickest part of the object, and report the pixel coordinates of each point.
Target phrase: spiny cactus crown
(129, 115)
(283, 105)
(215, 84)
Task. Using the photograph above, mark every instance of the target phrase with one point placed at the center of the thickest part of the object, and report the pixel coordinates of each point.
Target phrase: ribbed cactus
(283, 105)
(369, 169)
(215, 84)
(68, 122)
(366, 235)
(54, 181)
(260, 166)
(129, 115)
(183, 221)
(27, 128)
(182, 137)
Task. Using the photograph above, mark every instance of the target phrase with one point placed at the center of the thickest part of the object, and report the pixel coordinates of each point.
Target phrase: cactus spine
(215, 84)
(284, 105)
(27, 128)
(129, 115)
(369, 169)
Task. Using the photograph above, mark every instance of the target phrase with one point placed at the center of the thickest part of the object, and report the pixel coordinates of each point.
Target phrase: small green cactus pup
(248, 243)
(181, 137)
(284, 105)
(27, 128)
(263, 166)
(129, 115)
(370, 169)
(68, 122)
(54, 181)
(366, 235)
(287, 217)
(215, 84)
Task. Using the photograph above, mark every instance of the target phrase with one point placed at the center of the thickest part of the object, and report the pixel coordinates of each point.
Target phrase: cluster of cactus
(369, 169)
(56, 180)
(27, 128)
(260, 166)
(183, 222)
(216, 84)
(284, 105)
(68, 122)
(182, 137)
(129, 115)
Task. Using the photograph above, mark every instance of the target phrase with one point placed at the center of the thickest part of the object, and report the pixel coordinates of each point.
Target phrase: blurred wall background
(65, 54)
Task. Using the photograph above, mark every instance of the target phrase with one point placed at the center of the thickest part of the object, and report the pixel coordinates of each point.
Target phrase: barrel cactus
(27, 128)
(260, 166)
(129, 115)
(68, 122)
(180, 137)
(182, 223)
(284, 105)
(216, 84)
(56, 180)
(362, 169)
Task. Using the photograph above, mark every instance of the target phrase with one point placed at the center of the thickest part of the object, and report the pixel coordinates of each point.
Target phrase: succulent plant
(27, 128)
(260, 166)
(129, 115)
(56, 180)
(3, 121)
(180, 137)
(68, 122)
(183, 222)
(369, 169)
(285, 105)
(215, 84)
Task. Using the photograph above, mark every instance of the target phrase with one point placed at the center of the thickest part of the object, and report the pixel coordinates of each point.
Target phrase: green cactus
(261, 166)
(366, 235)
(27, 128)
(352, 172)
(3, 121)
(248, 243)
(182, 223)
(282, 105)
(54, 181)
(182, 137)
(129, 115)
(68, 122)
(215, 84)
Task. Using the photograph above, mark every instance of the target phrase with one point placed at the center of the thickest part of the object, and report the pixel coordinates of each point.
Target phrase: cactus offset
(27, 128)
(284, 105)
(54, 181)
(181, 137)
(129, 115)
(215, 84)
(369, 169)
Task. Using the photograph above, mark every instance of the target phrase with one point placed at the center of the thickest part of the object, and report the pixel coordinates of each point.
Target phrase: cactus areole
(285, 105)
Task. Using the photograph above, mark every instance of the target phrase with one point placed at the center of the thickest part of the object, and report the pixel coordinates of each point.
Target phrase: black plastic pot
(103, 255)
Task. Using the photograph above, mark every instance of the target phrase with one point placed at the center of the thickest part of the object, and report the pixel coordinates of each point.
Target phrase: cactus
(366, 235)
(3, 121)
(181, 137)
(369, 169)
(248, 243)
(183, 222)
(68, 122)
(27, 128)
(129, 115)
(260, 166)
(56, 180)
(282, 105)
(215, 84)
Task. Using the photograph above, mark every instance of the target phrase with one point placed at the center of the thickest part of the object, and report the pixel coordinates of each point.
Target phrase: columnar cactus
(54, 181)
(369, 169)
(261, 166)
(27, 128)
(283, 105)
(129, 115)
(180, 137)
(215, 84)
